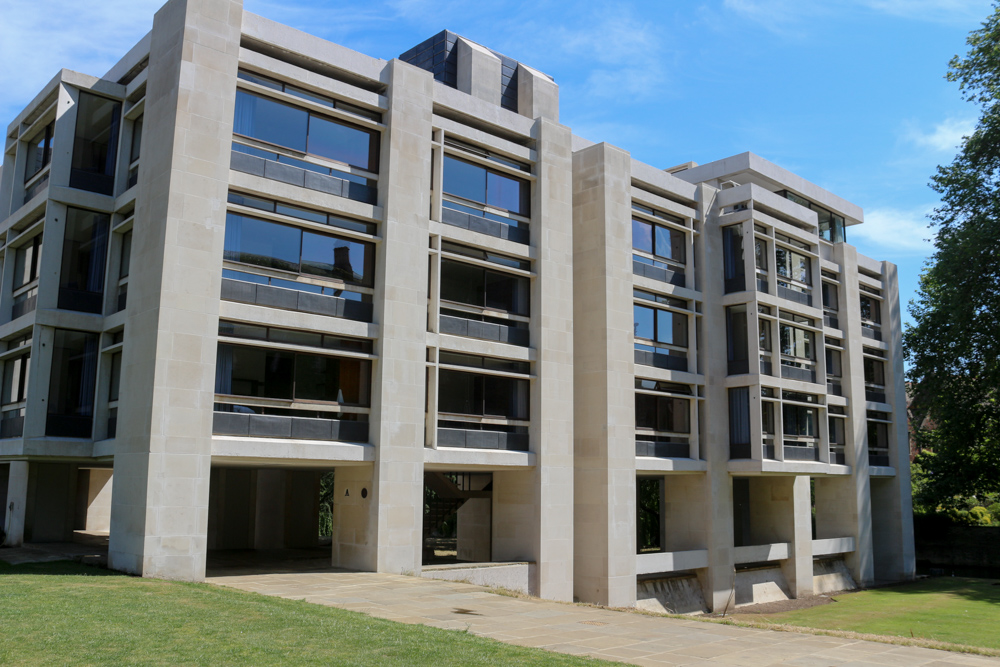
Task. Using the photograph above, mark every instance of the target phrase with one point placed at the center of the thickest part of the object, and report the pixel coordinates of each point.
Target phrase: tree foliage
(954, 344)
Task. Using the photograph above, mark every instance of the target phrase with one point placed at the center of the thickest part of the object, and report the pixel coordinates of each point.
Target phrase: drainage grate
(593, 623)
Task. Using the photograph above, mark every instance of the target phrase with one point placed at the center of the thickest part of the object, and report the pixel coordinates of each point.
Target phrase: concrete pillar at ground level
(160, 499)
(17, 502)
(475, 524)
(354, 519)
(51, 503)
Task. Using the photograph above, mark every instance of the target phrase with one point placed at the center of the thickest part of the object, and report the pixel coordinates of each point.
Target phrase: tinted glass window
(645, 323)
(262, 243)
(343, 143)
(116, 376)
(333, 257)
(96, 145)
(250, 371)
(795, 342)
(662, 413)
(136, 140)
(72, 383)
(671, 328)
(464, 179)
(642, 236)
(270, 121)
(874, 372)
(126, 261)
(39, 152)
(508, 193)
(15, 380)
(463, 283)
(253, 371)
(26, 262)
(670, 244)
(85, 249)
(799, 421)
(459, 393)
(507, 292)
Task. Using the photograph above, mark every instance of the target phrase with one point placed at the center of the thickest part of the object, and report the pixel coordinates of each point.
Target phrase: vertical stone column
(900, 556)
(533, 509)
(401, 313)
(604, 373)
(479, 71)
(16, 504)
(537, 94)
(159, 516)
(799, 568)
(718, 579)
(856, 506)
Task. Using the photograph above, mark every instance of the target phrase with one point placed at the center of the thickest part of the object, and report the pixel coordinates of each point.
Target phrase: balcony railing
(738, 367)
(796, 373)
(662, 449)
(481, 439)
(794, 295)
(294, 428)
(797, 452)
(23, 306)
(766, 367)
(879, 458)
(837, 455)
(831, 321)
(834, 388)
(289, 299)
(869, 332)
(483, 225)
(459, 326)
(661, 360)
(12, 426)
(875, 396)
(643, 267)
(273, 168)
(739, 451)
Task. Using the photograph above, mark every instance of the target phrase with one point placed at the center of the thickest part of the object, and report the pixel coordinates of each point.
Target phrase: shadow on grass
(974, 589)
(56, 568)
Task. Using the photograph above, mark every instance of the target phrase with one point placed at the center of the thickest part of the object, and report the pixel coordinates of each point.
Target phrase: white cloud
(779, 15)
(893, 231)
(629, 58)
(945, 136)
(932, 10)
(39, 38)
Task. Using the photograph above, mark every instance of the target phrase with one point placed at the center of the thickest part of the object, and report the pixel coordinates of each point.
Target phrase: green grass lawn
(60, 613)
(946, 609)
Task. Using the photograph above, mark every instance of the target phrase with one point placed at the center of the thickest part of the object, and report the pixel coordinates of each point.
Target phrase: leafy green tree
(954, 344)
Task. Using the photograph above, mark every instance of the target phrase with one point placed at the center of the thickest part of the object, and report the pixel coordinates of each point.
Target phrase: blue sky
(850, 94)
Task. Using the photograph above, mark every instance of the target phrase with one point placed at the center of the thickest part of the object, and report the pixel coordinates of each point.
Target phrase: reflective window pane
(507, 292)
(459, 393)
(463, 283)
(85, 249)
(333, 257)
(262, 243)
(343, 143)
(670, 244)
(72, 384)
(267, 120)
(95, 147)
(464, 179)
(508, 193)
(642, 236)
(644, 322)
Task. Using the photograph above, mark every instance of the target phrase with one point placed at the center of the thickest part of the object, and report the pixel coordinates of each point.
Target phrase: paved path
(581, 630)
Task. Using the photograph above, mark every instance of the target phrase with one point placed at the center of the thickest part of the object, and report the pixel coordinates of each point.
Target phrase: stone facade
(247, 257)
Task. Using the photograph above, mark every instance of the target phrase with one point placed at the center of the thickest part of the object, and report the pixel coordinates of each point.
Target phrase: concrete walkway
(581, 630)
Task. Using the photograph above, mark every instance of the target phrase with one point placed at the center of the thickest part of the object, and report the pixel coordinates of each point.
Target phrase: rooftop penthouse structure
(247, 265)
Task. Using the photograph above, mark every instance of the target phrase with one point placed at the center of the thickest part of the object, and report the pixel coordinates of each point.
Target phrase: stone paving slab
(581, 630)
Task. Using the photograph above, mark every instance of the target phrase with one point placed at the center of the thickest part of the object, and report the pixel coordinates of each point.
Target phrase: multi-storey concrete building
(268, 258)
